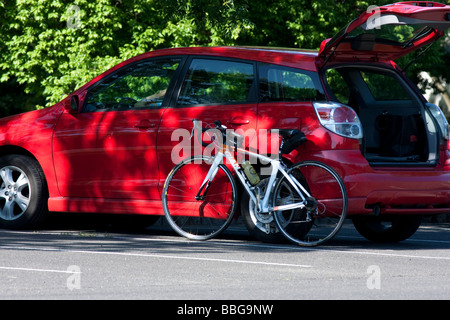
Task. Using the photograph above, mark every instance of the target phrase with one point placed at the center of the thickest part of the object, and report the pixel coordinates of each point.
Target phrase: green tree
(53, 47)
(50, 48)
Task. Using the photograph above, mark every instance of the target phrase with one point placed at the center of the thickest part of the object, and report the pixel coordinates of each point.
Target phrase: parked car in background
(107, 147)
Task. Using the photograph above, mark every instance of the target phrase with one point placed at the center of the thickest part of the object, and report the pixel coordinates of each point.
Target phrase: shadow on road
(125, 233)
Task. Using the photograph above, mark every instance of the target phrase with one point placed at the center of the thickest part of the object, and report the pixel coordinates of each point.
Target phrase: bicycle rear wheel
(205, 218)
(326, 207)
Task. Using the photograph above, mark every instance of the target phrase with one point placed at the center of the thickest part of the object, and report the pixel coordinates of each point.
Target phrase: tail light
(339, 118)
(439, 116)
(442, 122)
(448, 142)
(447, 160)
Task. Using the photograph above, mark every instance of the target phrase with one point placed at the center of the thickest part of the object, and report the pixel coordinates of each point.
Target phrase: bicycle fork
(209, 177)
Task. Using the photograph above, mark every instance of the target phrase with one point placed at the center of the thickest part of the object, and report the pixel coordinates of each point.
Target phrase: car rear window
(384, 87)
(381, 86)
(288, 84)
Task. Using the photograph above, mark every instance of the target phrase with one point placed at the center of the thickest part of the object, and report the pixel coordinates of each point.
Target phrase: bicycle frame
(277, 166)
(273, 203)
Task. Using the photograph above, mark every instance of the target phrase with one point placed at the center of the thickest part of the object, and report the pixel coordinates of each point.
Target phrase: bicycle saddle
(292, 138)
(287, 133)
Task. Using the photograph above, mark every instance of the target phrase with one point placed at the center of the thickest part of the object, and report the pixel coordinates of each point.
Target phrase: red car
(107, 148)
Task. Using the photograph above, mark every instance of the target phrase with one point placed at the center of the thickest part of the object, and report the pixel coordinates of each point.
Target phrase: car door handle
(238, 121)
(145, 124)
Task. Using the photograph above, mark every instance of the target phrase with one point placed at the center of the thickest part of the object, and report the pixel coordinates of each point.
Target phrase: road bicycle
(305, 201)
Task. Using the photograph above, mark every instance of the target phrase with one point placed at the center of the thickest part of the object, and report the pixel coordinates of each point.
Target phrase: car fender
(31, 134)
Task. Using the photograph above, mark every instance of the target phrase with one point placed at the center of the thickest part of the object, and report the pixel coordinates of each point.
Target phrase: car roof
(292, 57)
(289, 57)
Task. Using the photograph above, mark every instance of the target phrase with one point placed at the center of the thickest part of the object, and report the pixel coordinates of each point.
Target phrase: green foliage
(54, 47)
(50, 48)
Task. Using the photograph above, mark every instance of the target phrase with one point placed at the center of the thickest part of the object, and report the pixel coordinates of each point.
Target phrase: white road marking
(37, 270)
(164, 256)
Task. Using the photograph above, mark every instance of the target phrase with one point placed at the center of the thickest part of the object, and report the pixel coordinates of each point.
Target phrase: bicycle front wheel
(194, 217)
(325, 197)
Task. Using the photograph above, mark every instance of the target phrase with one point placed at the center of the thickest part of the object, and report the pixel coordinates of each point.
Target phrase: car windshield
(394, 34)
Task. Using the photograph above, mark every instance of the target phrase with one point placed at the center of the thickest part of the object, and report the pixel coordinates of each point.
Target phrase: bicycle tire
(327, 189)
(199, 219)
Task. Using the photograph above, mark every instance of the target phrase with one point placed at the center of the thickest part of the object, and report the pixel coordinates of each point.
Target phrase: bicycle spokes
(196, 212)
(324, 204)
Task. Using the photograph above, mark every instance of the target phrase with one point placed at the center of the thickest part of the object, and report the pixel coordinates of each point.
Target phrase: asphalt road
(73, 261)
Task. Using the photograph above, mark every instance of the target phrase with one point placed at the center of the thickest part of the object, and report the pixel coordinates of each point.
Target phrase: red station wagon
(107, 148)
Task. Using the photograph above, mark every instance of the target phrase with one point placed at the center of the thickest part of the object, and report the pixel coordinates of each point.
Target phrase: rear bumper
(399, 192)
(389, 190)
(358, 206)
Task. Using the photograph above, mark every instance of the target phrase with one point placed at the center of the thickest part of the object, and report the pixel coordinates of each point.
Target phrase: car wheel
(386, 229)
(261, 226)
(23, 193)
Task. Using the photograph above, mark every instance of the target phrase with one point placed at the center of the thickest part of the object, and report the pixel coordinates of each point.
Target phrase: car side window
(213, 81)
(338, 86)
(141, 85)
(384, 87)
(287, 84)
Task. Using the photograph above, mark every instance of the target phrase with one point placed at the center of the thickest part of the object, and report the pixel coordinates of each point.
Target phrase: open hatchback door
(388, 32)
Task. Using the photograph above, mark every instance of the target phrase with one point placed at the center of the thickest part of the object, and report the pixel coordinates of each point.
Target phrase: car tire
(385, 229)
(257, 224)
(255, 227)
(23, 193)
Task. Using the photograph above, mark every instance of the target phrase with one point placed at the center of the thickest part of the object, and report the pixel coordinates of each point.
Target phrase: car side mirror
(73, 104)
